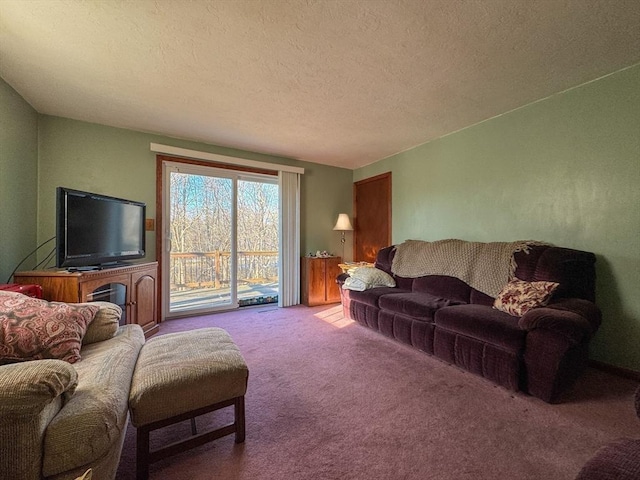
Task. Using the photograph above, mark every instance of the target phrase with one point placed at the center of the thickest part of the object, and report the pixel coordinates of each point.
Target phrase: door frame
(161, 240)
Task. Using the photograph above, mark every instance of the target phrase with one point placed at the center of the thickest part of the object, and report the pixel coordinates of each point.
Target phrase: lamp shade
(343, 223)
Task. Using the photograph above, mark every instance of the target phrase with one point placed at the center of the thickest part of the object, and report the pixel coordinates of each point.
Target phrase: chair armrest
(586, 309)
(31, 395)
(26, 388)
(575, 319)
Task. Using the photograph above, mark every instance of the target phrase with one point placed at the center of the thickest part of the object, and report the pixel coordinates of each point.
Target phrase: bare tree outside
(201, 222)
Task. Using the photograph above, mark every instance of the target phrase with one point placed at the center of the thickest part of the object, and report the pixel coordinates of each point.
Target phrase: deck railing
(213, 269)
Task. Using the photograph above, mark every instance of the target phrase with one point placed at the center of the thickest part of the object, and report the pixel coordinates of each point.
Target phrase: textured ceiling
(342, 83)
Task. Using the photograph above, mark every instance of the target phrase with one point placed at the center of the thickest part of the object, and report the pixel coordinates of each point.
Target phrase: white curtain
(289, 264)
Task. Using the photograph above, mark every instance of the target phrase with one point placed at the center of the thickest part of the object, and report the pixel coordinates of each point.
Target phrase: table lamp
(343, 225)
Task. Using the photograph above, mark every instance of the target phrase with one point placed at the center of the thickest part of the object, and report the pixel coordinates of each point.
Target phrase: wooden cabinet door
(319, 280)
(143, 300)
(332, 270)
(315, 279)
(87, 287)
(112, 283)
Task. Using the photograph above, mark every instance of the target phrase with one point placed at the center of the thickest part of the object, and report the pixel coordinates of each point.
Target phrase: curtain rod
(214, 157)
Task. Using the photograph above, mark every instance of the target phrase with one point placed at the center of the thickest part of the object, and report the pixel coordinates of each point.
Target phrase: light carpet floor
(330, 399)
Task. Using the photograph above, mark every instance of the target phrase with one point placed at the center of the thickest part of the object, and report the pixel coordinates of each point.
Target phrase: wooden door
(143, 299)
(372, 216)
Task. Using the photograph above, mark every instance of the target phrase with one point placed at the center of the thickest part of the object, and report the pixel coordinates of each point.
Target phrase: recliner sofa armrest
(575, 319)
(31, 395)
(586, 309)
(27, 387)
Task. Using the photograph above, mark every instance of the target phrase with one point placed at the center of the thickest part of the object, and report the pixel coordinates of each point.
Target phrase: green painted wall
(565, 170)
(18, 180)
(118, 162)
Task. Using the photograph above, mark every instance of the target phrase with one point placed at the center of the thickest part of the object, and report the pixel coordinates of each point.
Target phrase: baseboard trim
(619, 371)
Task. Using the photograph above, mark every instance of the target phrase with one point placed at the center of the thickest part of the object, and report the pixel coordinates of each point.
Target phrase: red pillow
(33, 329)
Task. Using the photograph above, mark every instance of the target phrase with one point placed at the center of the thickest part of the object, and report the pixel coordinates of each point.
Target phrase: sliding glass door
(257, 241)
(221, 239)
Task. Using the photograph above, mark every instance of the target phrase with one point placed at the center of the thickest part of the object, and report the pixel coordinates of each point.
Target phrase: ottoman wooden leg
(142, 453)
(145, 457)
(239, 413)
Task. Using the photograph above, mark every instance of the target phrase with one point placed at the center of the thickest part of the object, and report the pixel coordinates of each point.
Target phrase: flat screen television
(95, 230)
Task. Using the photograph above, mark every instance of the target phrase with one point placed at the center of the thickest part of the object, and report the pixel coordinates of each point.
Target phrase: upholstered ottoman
(180, 376)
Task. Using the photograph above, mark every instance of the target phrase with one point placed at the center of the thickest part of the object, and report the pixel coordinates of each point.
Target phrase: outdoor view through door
(223, 239)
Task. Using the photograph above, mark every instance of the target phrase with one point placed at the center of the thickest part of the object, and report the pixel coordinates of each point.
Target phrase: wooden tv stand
(133, 287)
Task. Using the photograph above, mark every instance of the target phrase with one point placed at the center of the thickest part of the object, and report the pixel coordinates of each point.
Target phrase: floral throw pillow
(33, 329)
(518, 296)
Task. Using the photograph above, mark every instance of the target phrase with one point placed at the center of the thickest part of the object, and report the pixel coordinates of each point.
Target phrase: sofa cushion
(527, 261)
(482, 323)
(574, 270)
(34, 329)
(404, 283)
(518, 297)
(418, 305)
(371, 296)
(443, 286)
(94, 418)
(105, 324)
(384, 258)
(481, 298)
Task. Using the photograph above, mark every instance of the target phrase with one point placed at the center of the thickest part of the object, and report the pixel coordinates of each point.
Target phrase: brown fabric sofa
(58, 419)
(618, 460)
(540, 353)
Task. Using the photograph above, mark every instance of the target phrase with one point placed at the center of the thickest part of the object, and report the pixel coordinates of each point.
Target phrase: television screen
(94, 229)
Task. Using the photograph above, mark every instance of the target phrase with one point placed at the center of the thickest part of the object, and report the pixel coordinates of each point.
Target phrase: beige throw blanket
(487, 267)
